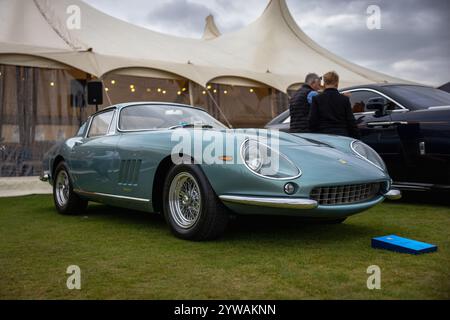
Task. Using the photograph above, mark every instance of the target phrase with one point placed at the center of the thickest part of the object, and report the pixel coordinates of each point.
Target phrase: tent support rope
(218, 108)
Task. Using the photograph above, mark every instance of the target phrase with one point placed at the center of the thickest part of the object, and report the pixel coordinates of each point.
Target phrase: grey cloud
(414, 41)
(182, 15)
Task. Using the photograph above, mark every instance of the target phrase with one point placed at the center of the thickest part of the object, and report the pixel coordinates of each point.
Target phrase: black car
(408, 125)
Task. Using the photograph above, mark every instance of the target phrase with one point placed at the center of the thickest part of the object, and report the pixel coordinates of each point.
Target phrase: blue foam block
(403, 245)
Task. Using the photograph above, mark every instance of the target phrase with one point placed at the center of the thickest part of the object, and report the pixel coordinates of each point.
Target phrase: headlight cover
(367, 153)
(266, 162)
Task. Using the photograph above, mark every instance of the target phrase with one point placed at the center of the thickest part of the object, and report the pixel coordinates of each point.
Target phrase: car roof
(128, 104)
(379, 86)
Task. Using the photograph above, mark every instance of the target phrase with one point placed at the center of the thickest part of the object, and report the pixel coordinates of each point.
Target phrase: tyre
(66, 201)
(191, 208)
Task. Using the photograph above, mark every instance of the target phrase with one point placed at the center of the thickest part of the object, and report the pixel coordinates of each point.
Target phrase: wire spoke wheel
(185, 200)
(62, 188)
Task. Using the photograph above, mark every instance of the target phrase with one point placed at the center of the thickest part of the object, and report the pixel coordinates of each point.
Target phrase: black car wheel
(191, 208)
(66, 201)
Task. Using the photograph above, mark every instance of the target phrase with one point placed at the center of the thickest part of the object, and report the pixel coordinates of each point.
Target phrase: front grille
(337, 195)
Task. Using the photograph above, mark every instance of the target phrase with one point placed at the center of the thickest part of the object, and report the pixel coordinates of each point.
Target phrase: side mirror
(379, 105)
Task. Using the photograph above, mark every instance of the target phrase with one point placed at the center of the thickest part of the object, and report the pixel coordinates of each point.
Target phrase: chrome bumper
(285, 203)
(45, 177)
(394, 194)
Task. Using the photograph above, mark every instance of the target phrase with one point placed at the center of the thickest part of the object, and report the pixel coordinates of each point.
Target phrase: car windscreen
(156, 117)
(419, 97)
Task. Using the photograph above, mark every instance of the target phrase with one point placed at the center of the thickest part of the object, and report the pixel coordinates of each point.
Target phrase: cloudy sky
(413, 42)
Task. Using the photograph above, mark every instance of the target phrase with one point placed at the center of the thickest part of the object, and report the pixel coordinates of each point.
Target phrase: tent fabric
(272, 50)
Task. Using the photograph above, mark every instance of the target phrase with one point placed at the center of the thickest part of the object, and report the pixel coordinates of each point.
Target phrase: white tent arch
(274, 43)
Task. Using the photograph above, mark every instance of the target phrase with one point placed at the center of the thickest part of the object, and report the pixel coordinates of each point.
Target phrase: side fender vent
(129, 172)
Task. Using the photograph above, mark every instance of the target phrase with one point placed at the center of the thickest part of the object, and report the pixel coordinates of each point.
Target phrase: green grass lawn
(129, 255)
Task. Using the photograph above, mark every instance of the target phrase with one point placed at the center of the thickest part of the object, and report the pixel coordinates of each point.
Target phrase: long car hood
(317, 158)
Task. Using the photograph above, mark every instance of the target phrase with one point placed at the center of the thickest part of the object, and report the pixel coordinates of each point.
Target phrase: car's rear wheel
(66, 201)
(191, 208)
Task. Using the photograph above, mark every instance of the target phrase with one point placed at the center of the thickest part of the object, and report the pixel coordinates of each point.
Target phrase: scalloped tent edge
(272, 50)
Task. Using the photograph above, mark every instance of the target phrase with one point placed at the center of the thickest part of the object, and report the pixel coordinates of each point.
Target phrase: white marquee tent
(240, 77)
(272, 50)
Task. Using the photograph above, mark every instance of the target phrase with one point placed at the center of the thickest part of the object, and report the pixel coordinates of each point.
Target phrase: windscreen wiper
(192, 125)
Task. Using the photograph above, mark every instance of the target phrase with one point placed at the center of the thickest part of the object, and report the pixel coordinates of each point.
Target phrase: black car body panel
(413, 138)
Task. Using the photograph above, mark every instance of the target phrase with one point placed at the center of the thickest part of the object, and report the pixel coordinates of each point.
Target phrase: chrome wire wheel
(185, 200)
(62, 189)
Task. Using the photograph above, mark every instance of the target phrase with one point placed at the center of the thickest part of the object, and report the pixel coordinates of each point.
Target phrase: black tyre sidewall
(75, 204)
(207, 197)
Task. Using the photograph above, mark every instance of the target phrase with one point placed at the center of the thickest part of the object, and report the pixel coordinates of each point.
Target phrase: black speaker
(95, 92)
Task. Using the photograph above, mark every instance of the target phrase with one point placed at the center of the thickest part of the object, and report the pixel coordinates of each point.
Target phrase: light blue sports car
(180, 161)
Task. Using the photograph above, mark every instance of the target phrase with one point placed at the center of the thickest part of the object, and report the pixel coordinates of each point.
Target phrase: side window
(359, 100)
(82, 130)
(100, 124)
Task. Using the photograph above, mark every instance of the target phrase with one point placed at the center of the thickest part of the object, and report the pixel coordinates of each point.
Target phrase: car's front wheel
(191, 208)
(66, 201)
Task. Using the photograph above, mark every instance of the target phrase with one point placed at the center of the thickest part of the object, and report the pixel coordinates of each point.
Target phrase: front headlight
(368, 154)
(266, 162)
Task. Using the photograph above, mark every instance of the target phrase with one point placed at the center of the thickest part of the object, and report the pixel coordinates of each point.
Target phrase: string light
(106, 89)
(204, 92)
(179, 93)
(52, 84)
(133, 90)
(159, 89)
(209, 87)
(215, 91)
(149, 90)
(132, 86)
(113, 82)
(225, 91)
(252, 90)
(184, 89)
(164, 92)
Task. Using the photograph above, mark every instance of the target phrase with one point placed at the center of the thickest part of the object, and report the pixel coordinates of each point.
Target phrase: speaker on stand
(95, 93)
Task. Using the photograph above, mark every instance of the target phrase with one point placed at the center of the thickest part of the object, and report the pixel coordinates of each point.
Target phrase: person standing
(331, 111)
(300, 103)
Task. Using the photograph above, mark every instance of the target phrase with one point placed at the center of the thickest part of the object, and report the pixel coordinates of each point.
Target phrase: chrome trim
(86, 193)
(112, 125)
(89, 127)
(378, 92)
(364, 158)
(439, 108)
(284, 203)
(386, 123)
(263, 176)
(45, 177)
(393, 194)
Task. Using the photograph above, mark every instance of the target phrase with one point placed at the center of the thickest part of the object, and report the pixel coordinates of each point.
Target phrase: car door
(94, 158)
(378, 130)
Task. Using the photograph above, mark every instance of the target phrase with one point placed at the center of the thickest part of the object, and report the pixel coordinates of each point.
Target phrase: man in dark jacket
(331, 112)
(300, 103)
